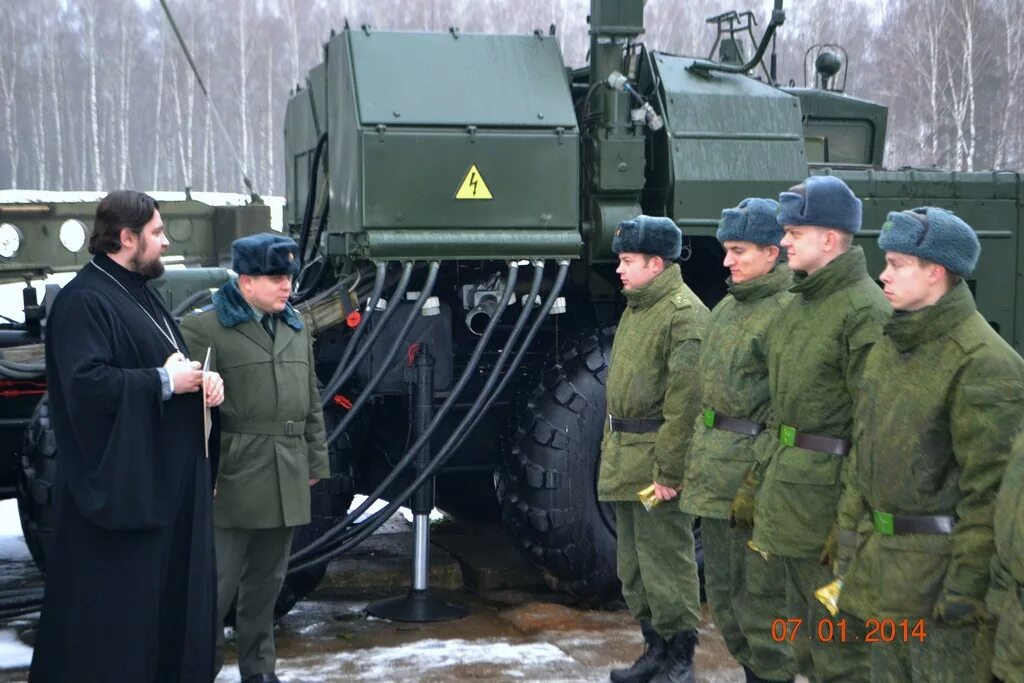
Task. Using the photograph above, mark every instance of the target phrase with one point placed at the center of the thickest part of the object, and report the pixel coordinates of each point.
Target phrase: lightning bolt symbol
(472, 182)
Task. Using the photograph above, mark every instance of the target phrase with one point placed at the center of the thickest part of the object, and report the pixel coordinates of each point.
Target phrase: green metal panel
(730, 137)
(445, 79)
(841, 129)
(412, 177)
(300, 137)
(989, 201)
(344, 139)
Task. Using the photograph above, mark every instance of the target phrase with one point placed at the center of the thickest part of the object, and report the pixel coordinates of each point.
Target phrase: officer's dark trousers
(251, 563)
(657, 566)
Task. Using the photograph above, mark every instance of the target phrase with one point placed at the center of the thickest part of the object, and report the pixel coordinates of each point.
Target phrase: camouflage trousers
(746, 593)
(1008, 663)
(657, 566)
(819, 656)
(945, 654)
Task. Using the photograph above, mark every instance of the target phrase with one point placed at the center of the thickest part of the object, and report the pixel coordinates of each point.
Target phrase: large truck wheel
(548, 487)
(37, 483)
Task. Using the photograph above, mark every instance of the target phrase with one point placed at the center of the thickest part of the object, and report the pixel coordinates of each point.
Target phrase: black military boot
(678, 665)
(754, 678)
(650, 661)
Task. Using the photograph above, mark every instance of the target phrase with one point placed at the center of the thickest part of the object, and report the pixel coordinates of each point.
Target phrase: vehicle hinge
(471, 131)
(560, 132)
(381, 129)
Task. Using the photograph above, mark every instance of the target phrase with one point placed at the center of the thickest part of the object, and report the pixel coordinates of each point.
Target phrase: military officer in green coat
(816, 351)
(942, 396)
(746, 591)
(273, 446)
(1006, 594)
(653, 397)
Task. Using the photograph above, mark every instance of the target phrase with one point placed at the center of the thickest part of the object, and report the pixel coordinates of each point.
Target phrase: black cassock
(131, 581)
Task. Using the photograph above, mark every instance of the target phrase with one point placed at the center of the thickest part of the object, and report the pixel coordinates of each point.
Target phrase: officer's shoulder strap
(680, 300)
(204, 309)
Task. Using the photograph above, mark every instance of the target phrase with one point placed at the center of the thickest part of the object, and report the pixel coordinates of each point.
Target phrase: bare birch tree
(8, 81)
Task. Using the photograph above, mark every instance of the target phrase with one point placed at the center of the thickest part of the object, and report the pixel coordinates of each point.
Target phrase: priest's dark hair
(118, 210)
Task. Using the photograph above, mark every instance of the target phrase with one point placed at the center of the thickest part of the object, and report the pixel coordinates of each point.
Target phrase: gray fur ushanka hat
(822, 201)
(754, 220)
(653, 235)
(933, 234)
(265, 254)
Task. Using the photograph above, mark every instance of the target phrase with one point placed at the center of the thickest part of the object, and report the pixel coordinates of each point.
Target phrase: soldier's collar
(777, 280)
(842, 272)
(913, 328)
(662, 285)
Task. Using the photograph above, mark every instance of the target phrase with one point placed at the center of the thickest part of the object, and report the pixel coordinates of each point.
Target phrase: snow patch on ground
(12, 542)
(13, 653)
(421, 658)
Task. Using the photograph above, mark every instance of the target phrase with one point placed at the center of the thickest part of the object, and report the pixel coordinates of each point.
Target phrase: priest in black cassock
(131, 580)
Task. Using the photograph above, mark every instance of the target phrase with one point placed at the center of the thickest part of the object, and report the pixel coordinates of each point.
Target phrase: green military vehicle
(458, 193)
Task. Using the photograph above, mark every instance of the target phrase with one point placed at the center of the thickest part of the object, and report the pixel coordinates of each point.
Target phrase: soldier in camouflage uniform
(1006, 594)
(653, 398)
(942, 396)
(746, 592)
(816, 351)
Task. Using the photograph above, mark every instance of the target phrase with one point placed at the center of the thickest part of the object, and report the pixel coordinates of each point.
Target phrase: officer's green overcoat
(734, 383)
(263, 479)
(816, 351)
(652, 374)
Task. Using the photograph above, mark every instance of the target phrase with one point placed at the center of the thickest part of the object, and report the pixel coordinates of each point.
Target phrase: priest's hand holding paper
(186, 376)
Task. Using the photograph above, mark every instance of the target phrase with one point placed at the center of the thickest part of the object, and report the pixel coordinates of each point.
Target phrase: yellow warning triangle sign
(473, 186)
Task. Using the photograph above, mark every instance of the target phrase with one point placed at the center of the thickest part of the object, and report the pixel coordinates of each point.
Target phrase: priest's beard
(151, 268)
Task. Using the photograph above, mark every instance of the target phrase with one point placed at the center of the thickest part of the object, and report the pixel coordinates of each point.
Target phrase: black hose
(453, 395)
(307, 217)
(366, 528)
(342, 529)
(378, 288)
(312, 287)
(341, 374)
(385, 365)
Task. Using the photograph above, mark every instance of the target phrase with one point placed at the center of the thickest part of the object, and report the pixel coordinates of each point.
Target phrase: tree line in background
(96, 94)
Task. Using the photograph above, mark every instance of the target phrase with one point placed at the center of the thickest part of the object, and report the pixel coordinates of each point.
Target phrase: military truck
(458, 193)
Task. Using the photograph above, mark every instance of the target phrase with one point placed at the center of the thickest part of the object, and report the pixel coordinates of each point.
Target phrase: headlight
(72, 234)
(10, 240)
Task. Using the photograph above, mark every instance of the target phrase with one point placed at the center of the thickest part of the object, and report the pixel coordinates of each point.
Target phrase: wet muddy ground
(517, 628)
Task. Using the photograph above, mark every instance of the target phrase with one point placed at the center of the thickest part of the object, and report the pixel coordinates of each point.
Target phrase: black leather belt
(889, 524)
(715, 420)
(633, 426)
(789, 436)
(290, 428)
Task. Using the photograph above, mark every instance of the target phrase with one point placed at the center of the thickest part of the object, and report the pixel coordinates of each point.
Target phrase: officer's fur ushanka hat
(754, 220)
(933, 234)
(822, 201)
(652, 235)
(265, 254)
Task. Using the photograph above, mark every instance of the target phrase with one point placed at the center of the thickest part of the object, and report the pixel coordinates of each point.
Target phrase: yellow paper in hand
(648, 498)
(829, 596)
(750, 544)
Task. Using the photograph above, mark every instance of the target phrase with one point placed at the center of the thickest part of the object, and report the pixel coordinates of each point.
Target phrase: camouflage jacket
(1008, 568)
(942, 397)
(816, 351)
(652, 374)
(733, 382)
